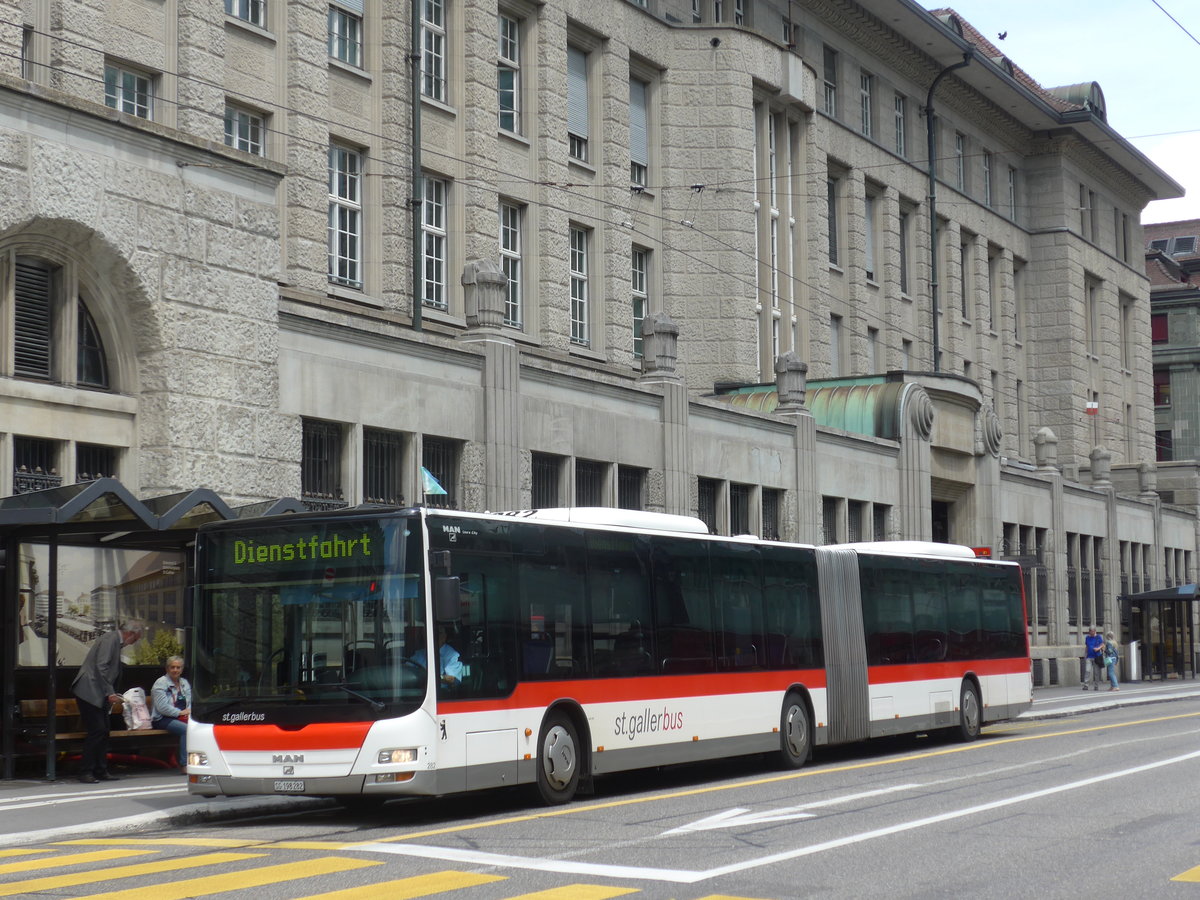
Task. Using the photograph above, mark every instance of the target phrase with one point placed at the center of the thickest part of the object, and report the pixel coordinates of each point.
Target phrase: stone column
(791, 384)
(483, 283)
(916, 464)
(660, 338)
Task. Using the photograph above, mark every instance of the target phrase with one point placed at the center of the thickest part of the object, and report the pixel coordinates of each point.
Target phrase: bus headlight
(198, 758)
(399, 755)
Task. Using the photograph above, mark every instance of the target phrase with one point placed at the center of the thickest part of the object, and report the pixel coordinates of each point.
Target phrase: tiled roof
(991, 51)
(1166, 268)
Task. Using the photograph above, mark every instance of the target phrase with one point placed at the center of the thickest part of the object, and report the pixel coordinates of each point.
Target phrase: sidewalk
(35, 810)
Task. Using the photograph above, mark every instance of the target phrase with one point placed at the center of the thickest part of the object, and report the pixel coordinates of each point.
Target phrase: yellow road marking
(407, 888)
(75, 859)
(578, 892)
(53, 882)
(223, 843)
(22, 852)
(1192, 874)
(237, 881)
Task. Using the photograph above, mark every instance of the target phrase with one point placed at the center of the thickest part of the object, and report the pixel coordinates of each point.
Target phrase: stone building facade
(666, 255)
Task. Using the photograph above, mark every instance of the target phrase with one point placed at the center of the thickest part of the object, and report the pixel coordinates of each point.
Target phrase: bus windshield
(319, 621)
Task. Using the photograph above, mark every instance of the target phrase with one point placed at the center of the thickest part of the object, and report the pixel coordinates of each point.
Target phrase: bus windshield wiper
(376, 705)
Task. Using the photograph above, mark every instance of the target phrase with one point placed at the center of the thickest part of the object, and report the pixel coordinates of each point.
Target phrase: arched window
(91, 363)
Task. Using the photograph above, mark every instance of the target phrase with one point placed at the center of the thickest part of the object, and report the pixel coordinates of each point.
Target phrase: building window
(546, 473)
(835, 346)
(879, 521)
(631, 487)
(831, 191)
(252, 11)
(321, 465)
(960, 161)
(870, 225)
(27, 34)
(739, 508)
(433, 49)
(1158, 328)
(1091, 290)
(345, 216)
(433, 231)
(93, 461)
(1012, 192)
(1127, 307)
(1164, 451)
(383, 458)
(508, 74)
(345, 36)
(866, 102)
(901, 113)
(706, 502)
(986, 160)
(829, 523)
(35, 466)
(128, 91)
(244, 130)
(967, 278)
(589, 482)
(905, 238)
(830, 72)
(855, 511)
(40, 304)
(1018, 272)
(718, 11)
(772, 504)
(439, 457)
(993, 287)
(639, 270)
(739, 12)
(639, 144)
(579, 287)
(697, 18)
(1162, 387)
(577, 104)
(510, 262)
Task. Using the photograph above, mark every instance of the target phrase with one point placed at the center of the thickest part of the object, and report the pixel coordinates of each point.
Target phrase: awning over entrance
(48, 614)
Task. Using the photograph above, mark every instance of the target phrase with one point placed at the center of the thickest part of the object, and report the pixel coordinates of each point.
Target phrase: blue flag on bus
(430, 483)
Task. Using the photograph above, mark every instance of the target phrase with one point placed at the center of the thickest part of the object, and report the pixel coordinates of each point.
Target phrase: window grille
(383, 454)
(546, 471)
(94, 461)
(772, 501)
(440, 457)
(321, 465)
(589, 483)
(34, 465)
(631, 483)
(879, 526)
(829, 511)
(854, 520)
(739, 509)
(706, 502)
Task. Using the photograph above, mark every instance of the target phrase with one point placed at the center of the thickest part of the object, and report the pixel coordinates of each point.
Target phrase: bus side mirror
(446, 603)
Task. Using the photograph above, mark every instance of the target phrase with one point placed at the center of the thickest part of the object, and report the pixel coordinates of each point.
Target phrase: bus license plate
(289, 787)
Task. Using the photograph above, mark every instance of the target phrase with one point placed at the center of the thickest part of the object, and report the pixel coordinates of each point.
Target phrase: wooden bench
(68, 727)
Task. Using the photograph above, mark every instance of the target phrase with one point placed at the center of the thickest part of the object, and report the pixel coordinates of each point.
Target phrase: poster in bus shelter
(99, 588)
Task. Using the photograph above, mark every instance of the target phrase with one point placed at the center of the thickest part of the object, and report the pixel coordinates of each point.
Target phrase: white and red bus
(584, 642)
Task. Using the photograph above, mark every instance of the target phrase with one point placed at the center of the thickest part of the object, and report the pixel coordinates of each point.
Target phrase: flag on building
(1093, 408)
(430, 484)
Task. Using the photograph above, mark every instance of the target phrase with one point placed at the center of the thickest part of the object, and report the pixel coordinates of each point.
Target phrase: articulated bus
(578, 642)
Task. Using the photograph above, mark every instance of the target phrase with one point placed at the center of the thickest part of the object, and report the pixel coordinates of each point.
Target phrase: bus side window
(621, 631)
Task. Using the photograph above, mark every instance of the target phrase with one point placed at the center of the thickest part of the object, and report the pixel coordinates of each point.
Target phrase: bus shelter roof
(1185, 592)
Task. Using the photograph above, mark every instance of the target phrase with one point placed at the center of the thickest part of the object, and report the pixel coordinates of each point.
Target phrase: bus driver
(450, 667)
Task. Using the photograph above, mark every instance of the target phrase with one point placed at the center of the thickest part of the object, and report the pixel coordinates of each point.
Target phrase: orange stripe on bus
(318, 736)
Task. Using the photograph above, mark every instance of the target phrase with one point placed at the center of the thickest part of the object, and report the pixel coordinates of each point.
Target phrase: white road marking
(81, 796)
(685, 876)
(731, 818)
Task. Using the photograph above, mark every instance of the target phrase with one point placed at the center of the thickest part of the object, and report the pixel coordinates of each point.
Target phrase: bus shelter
(75, 561)
(1163, 622)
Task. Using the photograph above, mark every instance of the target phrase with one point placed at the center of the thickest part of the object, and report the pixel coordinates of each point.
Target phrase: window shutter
(354, 6)
(31, 350)
(577, 93)
(639, 149)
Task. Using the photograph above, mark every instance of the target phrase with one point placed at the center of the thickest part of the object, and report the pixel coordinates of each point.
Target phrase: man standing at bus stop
(95, 689)
(1093, 663)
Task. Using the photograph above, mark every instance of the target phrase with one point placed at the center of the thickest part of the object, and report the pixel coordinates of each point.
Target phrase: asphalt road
(1033, 809)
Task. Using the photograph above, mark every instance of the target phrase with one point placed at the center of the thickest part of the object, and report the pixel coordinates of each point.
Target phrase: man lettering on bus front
(450, 667)
(1092, 664)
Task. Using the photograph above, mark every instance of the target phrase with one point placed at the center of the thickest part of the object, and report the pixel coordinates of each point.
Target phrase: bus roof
(909, 548)
(620, 518)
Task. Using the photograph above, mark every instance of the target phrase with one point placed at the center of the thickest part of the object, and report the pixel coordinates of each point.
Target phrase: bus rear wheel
(970, 713)
(558, 759)
(795, 733)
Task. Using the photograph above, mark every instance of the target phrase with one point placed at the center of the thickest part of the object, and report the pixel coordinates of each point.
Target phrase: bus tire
(558, 759)
(970, 713)
(795, 732)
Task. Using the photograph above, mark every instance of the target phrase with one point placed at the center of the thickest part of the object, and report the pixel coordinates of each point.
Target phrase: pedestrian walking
(1093, 662)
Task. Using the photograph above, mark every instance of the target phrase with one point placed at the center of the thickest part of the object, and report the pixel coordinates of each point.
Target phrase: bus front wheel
(558, 759)
(970, 713)
(795, 735)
